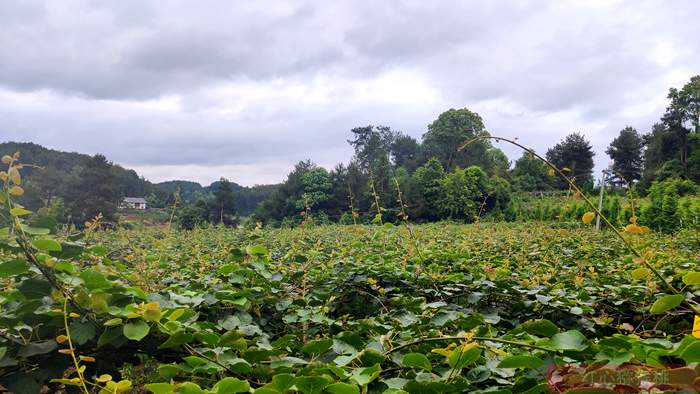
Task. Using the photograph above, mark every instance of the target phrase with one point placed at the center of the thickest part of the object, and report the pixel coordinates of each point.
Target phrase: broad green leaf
(189, 388)
(136, 330)
(521, 362)
(81, 332)
(36, 348)
(463, 355)
(19, 212)
(691, 354)
(342, 388)
(47, 245)
(569, 340)
(666, 303)
(95, 280)
(417, 360)
(161, 388)
(317, 347)
(311, 384)
(541, 327)
(640, 273)
(230, 386)
(35, 230)
(692, 278)
(12, 268)
(178, 338)
(35, 288)
(364, 376)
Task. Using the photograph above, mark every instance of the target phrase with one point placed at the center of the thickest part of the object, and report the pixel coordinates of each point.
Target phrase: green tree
(193, 215)
(405, 151)
(626, 153)
(531, 174)
(317, 186)
(576, 154)
(223, 206)
(673, 146)
(428, 182)
(462, 193)
(92, 191)
(449, 132)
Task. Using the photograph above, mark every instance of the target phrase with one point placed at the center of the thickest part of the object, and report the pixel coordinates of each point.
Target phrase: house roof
(137, 200)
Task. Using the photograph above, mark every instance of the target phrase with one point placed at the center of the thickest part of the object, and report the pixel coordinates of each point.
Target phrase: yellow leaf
(87, 359)
(6, 159)
(104, 378)
(65, 351)
(16, 191)
(3, 176)
(588, 217)
(551, 172)
(73, 314)
(14, 175)
(61, 338)
(696, 327)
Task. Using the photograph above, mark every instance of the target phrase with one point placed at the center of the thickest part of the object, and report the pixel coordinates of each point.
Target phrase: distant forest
(75, 187)
(391, 177)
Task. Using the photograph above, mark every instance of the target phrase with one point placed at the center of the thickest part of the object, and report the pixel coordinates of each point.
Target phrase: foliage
(315, 309)
(575, 154)
(626, 152)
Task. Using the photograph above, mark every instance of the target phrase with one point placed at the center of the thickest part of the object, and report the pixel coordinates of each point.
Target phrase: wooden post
(600, 202)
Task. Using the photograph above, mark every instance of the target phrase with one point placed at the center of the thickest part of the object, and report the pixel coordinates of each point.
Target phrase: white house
(133, 203)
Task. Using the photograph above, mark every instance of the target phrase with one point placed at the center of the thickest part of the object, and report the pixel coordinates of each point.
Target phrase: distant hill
(45, 185)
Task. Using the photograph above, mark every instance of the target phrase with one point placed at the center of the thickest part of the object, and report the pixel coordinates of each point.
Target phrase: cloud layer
(199, 90)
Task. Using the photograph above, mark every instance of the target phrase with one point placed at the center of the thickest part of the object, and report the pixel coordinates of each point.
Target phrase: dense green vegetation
(433, 308)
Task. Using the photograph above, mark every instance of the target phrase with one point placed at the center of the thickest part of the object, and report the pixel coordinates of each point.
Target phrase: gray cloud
(214, 83)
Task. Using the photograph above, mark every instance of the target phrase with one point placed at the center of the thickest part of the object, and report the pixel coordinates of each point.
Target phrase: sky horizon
(244, 91)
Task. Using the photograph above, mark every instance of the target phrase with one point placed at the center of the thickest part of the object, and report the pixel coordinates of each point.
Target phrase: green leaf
(95, 280)
(541, 327)
(136, 330)
(258, 250)
(364, 376)
(463, 355)
(521, 362)
(317, 347)
(12, 268)
(282, 382)
(666, 303)
(230, 386)
(48, 245)
(36, 348)
(81, 332)
(640, 273)
(189, 388)
(311, 384)
(35, 230)
(35, 288)
(19, 212)
(178, 338)
(692, 278)
(691, 354)
(569, 340)
(417, 360)
(342, 388)
(161, 388)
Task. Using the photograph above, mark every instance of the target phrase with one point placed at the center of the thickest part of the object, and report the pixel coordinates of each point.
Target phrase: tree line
(392, 174)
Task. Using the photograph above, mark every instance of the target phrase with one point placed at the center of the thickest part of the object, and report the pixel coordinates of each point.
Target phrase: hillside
(59, 172)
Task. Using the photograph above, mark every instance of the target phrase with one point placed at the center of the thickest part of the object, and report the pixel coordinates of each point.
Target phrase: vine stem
(573, 186)
(72, 349)
(480, 339)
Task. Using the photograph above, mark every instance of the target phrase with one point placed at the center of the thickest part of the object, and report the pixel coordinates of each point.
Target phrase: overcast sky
(202, 89)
